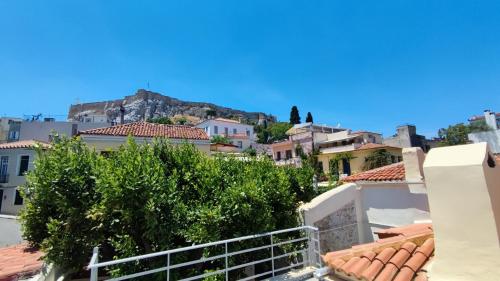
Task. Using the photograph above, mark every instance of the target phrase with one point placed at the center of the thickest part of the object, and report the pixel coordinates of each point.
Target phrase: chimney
(490, 119)
(463, 186)
(413, 160)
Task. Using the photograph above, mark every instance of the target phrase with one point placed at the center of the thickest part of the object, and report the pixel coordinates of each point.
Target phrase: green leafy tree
(454, 135)
(272, 132)
(152, 197)
(220, 139)
(161, 120)
(250, 151)
(309, 118)
(376, 159)
(479, 126)
(294, 115)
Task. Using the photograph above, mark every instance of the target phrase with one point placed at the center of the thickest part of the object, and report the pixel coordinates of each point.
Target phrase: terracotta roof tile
(24, 144)
(145, 129)
(393, 172)
(19, 261)
(401, 257)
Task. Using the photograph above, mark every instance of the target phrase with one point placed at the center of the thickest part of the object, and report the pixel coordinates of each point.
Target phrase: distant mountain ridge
(147, 104)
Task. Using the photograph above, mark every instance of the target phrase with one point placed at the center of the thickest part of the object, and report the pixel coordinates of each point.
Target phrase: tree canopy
(272, 132)
(220, 139)
(376, 159)
(152, 197)
(294, 115)
(458, 134)
(161, 120)
(309, 118)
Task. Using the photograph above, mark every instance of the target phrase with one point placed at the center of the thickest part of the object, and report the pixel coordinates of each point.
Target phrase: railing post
(168, 266)
(272, 254)
(94, 271)
(226, 260)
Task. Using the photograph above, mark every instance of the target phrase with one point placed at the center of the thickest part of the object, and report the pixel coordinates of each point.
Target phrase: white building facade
(16, 159)
(240, 135)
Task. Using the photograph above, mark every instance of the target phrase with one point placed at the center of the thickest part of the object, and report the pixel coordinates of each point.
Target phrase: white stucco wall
(491, 137)
(377, 206)
(15, 180)
(42, 130)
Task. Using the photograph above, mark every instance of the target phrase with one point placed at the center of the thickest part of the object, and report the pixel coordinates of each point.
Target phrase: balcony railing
(304, 253)
(4, 178)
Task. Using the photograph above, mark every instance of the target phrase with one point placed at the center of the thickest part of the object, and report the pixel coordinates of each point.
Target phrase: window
(13, 135)
(234, 131)
(23, 166)
(278, 155)
(226, 131)
(216, 129)
(19, 198)
(248, 133)
(240, 144)
(4, 165)
(288, 154)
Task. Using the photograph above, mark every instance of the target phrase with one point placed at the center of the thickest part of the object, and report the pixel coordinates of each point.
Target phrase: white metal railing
(310, 254)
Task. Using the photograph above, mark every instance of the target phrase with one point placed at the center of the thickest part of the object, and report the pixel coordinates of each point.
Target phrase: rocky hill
(146, 104)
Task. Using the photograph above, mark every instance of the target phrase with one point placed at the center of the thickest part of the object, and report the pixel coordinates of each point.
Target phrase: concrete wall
(464, 197)
(351, 213)
(107, 143)
(42, 130)
(491, 137)
(15, 180)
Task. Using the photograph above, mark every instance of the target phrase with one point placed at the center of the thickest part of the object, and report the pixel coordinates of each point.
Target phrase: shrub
(147, 198)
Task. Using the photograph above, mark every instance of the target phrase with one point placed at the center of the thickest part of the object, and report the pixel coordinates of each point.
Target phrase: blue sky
(364, 64)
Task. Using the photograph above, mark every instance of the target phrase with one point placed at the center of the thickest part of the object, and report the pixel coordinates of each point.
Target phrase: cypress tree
(294, 116)
(309, 118)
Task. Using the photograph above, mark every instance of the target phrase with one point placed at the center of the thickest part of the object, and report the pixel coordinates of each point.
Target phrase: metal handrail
(311, 255)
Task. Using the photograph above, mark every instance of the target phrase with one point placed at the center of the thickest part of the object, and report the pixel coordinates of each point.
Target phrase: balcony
(289, 162)
(4, 178)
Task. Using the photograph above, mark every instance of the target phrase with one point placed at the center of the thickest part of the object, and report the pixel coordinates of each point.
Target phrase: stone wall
(339, 229)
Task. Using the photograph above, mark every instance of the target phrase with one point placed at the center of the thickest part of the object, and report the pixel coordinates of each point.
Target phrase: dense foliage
(272, 132)
(309, 118)
(146, 198)
(220, 139)
(458, 134)
(161, 120)
(377, 158)
(294, 115)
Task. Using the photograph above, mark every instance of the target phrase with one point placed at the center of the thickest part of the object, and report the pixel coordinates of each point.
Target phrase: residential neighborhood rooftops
(221, 120)
(402, 255)
(393, 172)
(374, 146)
(24, 144)
(19, 261)
(145, 129)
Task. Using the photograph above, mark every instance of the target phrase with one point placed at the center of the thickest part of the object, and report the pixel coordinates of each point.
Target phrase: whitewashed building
(16, 158)
(240, 135)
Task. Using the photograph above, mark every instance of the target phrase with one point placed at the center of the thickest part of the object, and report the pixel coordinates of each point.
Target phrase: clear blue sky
(364, 64)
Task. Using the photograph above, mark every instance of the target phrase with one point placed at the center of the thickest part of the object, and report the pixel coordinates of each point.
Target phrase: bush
(147, 198)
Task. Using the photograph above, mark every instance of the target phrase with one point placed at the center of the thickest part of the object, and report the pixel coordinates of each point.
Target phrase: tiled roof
(19, 261)
(23, 144)
(145, 129)
(227, 120)
(374, 146)
(393, 172)
(402, 256)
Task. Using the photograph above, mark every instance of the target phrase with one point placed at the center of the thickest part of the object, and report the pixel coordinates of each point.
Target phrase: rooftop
(145, 129)
(24, 144)
(402, 255)
(19, 261)
(393, 172)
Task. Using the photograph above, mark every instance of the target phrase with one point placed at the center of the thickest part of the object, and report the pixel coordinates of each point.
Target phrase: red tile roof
(19, 261)
(393, 172)
(374, 146)
(145, 129)
(24, 144)
(402, 256)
